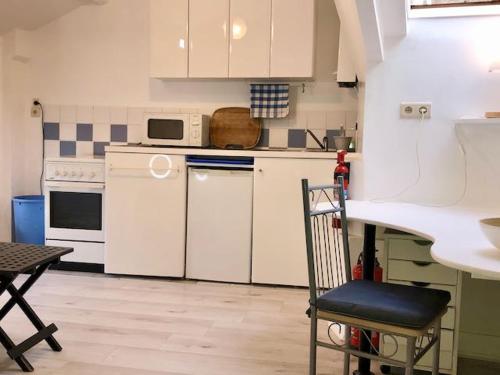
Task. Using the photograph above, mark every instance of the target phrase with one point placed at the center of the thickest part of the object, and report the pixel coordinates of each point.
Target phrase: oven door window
(76, 210)
(165, 129)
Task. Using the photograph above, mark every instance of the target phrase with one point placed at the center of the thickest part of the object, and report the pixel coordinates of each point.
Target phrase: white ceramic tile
(68, 113)
(273, 123)
(102, 132)
(278, 138)
(101, 115)
(316, 120)
(118, 143)
(118, 115)
(351, 119)
(84, 114)
(152, 110)
(135, 115)
(51, 149)
(134, 133)
(188, 110)
(67, 131)
(171, 110)
(301, 120)
(319, 133)
(84, 148)
(51, 113)
(335, 119)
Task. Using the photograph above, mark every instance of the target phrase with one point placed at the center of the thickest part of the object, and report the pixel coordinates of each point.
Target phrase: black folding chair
(393, 310)
(14, 260)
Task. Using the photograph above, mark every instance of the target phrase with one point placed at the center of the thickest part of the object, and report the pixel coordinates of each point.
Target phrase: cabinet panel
(292, 38)
(410, 249)
(279, 248)
(169, 38)
(250, 38)
(421, 272)
(145, 216)
(208, 38)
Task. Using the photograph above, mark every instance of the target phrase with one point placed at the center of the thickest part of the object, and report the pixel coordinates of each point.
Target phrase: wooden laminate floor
(113, 325)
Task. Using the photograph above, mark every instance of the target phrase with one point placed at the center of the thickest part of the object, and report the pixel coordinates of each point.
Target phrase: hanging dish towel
(269, 100)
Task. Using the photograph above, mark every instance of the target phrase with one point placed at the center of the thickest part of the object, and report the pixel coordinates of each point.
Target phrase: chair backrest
(327, 240)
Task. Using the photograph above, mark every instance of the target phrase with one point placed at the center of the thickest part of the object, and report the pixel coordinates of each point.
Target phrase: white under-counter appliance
(145, 214)
(74, 207)
(163, 129)
(219, 223)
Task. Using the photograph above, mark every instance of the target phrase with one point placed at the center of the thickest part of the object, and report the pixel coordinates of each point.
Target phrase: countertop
(458, 240)
(263, 153)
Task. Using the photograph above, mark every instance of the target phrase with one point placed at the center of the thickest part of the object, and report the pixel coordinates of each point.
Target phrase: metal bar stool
(393, 310)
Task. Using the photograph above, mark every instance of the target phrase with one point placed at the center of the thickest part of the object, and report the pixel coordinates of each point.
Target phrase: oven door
(74, 211)
(167, 130)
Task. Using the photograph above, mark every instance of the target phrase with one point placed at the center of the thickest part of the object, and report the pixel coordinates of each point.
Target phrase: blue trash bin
(28, 219)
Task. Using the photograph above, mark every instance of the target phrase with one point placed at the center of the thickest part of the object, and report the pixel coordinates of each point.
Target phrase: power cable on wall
(36, 102)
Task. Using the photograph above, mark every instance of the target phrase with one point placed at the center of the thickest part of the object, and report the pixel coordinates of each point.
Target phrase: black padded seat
(393, 304)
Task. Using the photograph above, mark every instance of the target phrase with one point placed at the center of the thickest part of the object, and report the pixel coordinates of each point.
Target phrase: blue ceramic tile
(67, 148)
(264, 138)
(84, 132)
(118, 133)
(99, 147)
(296, 138)
(51, 131)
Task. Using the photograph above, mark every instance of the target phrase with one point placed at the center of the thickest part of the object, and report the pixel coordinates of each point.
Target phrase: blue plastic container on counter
(28, 219)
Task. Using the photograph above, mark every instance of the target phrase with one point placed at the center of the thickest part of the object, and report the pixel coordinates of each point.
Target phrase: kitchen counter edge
(217, 152)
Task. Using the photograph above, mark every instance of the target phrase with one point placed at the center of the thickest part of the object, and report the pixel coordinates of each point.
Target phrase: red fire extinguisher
(357, 274)
(342, 170)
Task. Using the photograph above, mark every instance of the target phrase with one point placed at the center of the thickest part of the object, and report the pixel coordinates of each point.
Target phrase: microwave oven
(163, 129)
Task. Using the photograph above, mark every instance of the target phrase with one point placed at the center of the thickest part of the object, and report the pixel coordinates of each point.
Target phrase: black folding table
(16, 258)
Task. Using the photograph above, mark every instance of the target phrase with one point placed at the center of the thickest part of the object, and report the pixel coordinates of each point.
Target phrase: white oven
(74, 211)
(74, 207)
(164, 129)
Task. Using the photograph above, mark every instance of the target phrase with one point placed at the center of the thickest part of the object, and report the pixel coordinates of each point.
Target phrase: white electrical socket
(36, 111)
(415, 110)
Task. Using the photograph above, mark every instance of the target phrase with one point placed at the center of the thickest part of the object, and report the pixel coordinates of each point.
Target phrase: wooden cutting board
(492, 114)
(233, 127)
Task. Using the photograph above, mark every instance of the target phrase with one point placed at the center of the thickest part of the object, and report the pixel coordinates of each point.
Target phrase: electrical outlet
(415, 110)
(36, 111)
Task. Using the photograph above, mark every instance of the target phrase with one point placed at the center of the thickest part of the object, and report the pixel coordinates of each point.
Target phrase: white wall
(444, 61)
(4, 161)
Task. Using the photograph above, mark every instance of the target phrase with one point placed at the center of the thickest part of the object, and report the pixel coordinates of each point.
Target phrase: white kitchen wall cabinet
(145, 214)
(279, 246)
(292, 38)
(169, 38)
(250, 41)
(208, 38)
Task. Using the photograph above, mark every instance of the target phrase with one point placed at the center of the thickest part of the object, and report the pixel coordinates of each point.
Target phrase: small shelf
(478, 121)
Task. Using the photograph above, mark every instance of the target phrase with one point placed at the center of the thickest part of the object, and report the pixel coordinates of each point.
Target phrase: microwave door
(170, 130)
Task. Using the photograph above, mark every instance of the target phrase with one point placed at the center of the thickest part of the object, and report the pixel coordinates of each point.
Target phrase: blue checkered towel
(269, 100)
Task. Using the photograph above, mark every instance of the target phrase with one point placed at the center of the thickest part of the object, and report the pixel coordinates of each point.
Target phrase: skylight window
(450, 8)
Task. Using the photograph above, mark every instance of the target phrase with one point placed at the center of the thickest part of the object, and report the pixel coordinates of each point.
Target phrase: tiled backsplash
(85, 130)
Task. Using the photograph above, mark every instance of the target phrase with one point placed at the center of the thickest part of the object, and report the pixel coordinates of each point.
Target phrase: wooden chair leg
(410, 355)
(313, 340)
(437, 348)
(347, 356)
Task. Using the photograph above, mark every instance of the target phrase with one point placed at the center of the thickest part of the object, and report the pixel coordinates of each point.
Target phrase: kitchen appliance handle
(144, 172)
(75, 185)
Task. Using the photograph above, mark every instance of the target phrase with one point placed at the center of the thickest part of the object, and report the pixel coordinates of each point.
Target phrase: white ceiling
(31, 14)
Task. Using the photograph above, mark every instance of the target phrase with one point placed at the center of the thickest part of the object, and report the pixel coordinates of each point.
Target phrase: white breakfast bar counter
(458, 241)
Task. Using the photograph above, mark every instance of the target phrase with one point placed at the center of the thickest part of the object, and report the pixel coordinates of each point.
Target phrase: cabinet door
(279, 245)
(292, 38)
(208, 38)
(169, 38)
(250, 38)
(145, 216)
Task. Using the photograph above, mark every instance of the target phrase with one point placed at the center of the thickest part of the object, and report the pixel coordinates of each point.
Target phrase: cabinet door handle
(260, 170)
(421, 264)
(422, 242)
(420, 284)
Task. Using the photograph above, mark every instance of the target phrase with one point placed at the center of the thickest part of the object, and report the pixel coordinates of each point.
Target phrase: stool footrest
(30, 342)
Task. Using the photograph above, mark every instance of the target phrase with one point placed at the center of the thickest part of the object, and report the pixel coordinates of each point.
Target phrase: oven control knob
(56, 173)
(80, 174)
(91, 174)
(64, 173)
(73, 174)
